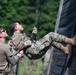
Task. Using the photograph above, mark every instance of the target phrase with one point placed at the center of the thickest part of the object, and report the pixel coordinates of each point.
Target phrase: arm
(15, 58)
(34, 32)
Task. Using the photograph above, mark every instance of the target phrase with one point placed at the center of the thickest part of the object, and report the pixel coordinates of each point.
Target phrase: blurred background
(29, 13)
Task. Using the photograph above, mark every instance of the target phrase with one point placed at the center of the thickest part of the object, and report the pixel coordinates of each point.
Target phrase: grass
(23, 68)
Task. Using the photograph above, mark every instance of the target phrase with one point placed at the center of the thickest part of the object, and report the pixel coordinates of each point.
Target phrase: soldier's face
(3, 34)
(19, 27)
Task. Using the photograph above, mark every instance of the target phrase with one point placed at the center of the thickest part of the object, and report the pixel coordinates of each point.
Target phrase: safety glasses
(2, 30)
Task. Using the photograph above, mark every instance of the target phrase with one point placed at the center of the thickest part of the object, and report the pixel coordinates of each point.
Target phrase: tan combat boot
(65, 49)
(67, 40)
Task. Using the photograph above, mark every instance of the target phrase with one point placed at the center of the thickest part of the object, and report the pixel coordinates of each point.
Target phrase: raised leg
(62, 48)
(62, 38)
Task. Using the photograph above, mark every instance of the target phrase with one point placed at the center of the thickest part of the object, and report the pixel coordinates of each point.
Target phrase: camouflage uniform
(32, 65)
(45, 62)
(4, 53)
(37, 50)
(14, 68)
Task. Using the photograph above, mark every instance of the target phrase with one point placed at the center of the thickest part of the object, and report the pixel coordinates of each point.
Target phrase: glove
(34, 30)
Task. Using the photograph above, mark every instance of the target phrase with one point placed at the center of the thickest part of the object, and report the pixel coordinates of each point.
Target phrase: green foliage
(27, 12)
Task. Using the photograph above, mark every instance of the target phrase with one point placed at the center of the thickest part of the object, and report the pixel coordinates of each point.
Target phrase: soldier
(6, 56)
(42, 45)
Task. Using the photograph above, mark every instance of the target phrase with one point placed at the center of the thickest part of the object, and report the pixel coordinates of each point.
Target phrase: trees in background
(27, 12)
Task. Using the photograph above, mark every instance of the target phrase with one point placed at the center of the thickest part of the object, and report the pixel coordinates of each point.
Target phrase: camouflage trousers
(52, 39)
(46, 62)
(32, 65)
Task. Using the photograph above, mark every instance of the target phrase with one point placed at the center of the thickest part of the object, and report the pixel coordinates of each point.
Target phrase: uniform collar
(16, 32)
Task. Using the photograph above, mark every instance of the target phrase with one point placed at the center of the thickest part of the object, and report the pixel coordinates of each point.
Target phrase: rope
(38, 17)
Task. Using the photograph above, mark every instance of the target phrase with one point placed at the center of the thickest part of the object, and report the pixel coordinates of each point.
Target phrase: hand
(10, 42)
(20, 54)
(34, 30)
(27, 43)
